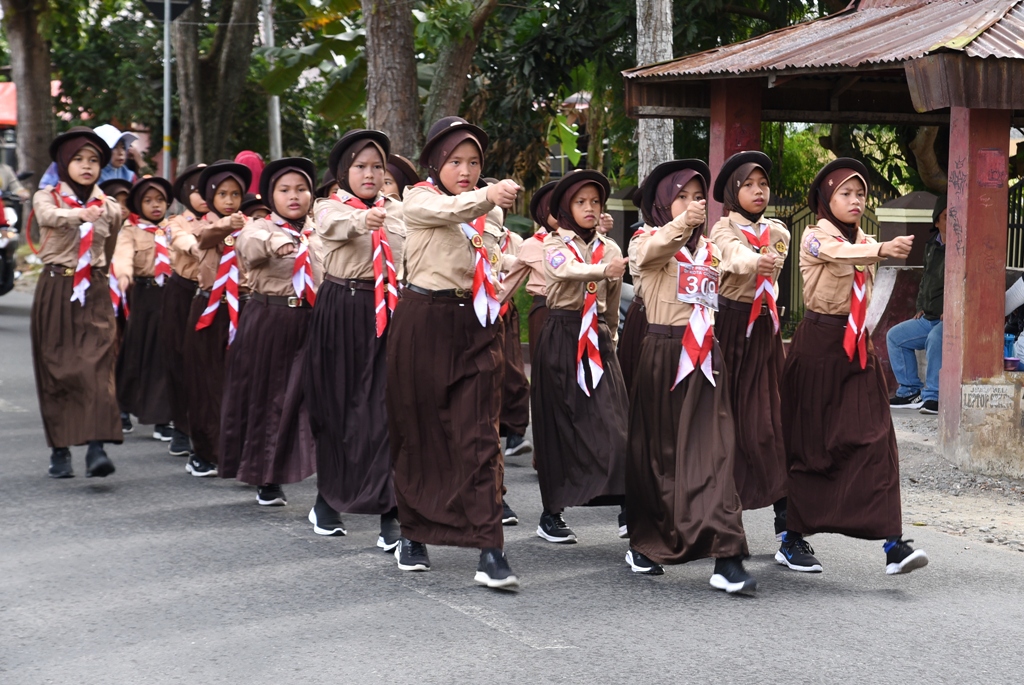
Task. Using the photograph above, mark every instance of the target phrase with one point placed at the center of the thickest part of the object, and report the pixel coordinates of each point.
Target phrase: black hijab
(565, 218)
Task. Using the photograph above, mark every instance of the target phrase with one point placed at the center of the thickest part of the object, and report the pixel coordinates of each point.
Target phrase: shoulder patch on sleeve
(813, 246)
(555, 258)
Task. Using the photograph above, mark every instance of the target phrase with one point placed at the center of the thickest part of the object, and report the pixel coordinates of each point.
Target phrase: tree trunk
(209, 85)
(30, 71)
(653, 44)
(392, 90)
(452, 69)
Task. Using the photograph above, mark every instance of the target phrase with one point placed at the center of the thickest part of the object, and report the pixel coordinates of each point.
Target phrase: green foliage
(524, 301)
(565, 135)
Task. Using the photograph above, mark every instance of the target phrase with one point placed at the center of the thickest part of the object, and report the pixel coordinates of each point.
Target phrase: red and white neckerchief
(161, 258)
(227, 281)
(302, 270)
(385, 279)
(587, 344)
(855, 340)
(485, 297)
(118, 298)
(699, 338)
(83, 270)
(765, 292)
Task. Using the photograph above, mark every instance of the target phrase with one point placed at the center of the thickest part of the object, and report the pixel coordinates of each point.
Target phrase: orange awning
(8, 104)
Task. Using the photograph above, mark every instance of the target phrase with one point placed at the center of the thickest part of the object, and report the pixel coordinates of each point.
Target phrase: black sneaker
(903, 558)
(797, 554)
(732, 577)
(553, 529)
(126, 423)
(494, 571)
(641, 564)
(517, 444)
(60, 463)
(163, 432)
(623, 529)
(199, 467)
(325, 520)
(508, 517)
(910, 402)
(412, 556)
(97, 463)
(180, 445)
(930, 407)
(390, 532)
(270, 495)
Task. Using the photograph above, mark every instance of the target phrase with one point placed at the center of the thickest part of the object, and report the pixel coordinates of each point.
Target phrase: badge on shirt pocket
(555, 258)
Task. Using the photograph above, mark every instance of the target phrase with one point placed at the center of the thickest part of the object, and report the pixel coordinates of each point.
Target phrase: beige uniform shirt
(212, 235)
(183, 248)
(59, 222)
(739, 260)
(347, 244)
(528, 264)
(568, 278)
(827, 263)
(659, 269)
(634, 270)
(269, 273)
(438, 255)
(135, 253)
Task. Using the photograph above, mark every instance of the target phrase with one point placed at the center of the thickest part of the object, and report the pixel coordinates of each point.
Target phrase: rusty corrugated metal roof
(871, 35)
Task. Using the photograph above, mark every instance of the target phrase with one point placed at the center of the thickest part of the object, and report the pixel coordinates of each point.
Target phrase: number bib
(698, 284)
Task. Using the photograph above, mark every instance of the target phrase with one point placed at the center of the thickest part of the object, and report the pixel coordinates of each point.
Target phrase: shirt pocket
(836, 281)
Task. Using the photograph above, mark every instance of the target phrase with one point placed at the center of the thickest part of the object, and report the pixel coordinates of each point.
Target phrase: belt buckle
(294, 302)
(764, 310)
(68, 271)
(460, 293)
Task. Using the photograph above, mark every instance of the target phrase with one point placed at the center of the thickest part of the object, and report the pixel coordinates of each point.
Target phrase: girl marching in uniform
(181, 289)
(363, 240)
(747, 323)
(213, 317)
(579, 397)
(142, 260)
(681, 498)
(399, 175)
(444, 359)
(265, 439)
(840, 443)
(72, 328)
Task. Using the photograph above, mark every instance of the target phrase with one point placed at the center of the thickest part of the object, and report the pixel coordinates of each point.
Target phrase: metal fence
(1015, 229)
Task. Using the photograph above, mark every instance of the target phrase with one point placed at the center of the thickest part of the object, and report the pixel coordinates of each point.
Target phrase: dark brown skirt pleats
(535, 322)
(633, 331)
(444, 399)
(178, 294)
(344, 380)
(580, 441)
(844, 472)
(205, 353)
(515, 388)
(73, 354)
(141, 364)
(754, 366)
(681, 499)
(264, 431)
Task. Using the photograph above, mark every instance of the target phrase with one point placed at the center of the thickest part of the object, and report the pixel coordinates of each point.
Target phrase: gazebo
(924, 62)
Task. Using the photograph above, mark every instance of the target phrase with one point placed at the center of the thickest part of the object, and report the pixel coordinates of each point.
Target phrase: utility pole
(653, 44)
(274, 102)
(167, 90)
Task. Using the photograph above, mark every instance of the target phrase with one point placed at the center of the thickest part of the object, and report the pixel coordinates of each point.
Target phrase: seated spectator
(119, 144)
(924, 331)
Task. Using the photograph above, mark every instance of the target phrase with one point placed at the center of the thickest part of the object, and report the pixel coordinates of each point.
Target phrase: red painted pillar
(972, 329)
(735, 125)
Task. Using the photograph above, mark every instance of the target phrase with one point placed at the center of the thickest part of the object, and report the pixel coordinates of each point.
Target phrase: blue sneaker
(797, 554)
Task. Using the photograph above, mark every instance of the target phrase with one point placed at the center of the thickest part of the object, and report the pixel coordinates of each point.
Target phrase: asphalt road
(153, 576)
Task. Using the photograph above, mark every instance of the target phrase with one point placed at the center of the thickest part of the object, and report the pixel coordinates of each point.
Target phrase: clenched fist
(616, 268)
(696, 214)
(503, 193)
(375, 218)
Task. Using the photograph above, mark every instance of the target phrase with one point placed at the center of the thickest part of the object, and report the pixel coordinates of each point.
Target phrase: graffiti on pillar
(958, 175)
(745, 137)
(986, 396)
(991, 165)
(953, 220)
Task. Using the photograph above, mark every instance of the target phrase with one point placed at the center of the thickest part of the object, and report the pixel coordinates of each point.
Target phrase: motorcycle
(11, 212)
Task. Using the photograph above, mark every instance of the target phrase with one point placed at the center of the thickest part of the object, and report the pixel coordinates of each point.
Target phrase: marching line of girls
(363, 329)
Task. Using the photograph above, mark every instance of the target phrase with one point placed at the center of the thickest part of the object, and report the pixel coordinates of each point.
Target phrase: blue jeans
(902, 339)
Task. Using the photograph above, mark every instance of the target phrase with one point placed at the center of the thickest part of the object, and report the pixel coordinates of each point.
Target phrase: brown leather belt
(662, 329)
(827, 319)
(58, 270)
(350, 283)
(183, 282)
(573, 314)
(726, 303)
(457, 293)
(281, 300)
(146, 282)
(242, 297)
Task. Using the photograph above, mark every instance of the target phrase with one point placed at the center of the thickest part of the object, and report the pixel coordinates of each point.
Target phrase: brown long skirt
(73, 356)
(580, 441)
(205, 352)
(141, 365)
(681, 498)
(264, 427)
(535, 323)
(515, 388)
(344, 380)
(178, 295)
(844, 471)
(444, 400)
(754, 366)
(633, 331)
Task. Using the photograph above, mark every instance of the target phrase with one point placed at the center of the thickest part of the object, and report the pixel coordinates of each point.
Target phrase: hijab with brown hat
(662, 186)
(563, 193)
(736, 170)
(64, 148)
(827, 182)
(348, 148)
(444, 136)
